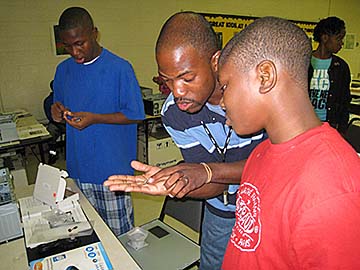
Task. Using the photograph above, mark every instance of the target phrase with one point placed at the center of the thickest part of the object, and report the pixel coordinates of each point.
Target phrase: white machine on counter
(48, 215)
(10, 226)
(8, 132)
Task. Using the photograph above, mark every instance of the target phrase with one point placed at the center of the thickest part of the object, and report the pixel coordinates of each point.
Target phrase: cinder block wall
(128, 28)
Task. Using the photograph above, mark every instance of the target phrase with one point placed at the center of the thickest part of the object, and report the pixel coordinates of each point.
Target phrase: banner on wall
(226, 26)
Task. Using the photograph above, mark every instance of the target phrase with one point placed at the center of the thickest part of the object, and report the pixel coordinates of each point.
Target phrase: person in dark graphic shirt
(329, 75)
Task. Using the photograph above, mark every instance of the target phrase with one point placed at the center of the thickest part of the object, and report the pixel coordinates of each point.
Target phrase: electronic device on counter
(8, 132)
(146, 91)
(47, 215)
(6, 187)
(53, 220)
(50, 184)
(10, 226)
(153, 104)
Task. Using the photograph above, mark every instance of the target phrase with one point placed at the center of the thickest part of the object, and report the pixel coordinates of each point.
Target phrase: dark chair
(56, 130)
(187, 211)
(168, 248)
(353, 133)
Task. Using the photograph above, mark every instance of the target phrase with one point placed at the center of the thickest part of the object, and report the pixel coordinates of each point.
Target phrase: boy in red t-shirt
(298, 205)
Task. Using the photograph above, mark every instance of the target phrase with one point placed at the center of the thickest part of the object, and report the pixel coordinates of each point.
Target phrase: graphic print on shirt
(246, 233)
(319, 86)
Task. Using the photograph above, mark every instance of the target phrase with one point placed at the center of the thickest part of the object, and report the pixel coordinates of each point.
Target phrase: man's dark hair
(74, 17)
(274, 39)
(329, 26)
(188, 29)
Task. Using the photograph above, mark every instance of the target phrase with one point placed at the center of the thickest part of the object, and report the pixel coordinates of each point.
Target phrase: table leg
(41, 151)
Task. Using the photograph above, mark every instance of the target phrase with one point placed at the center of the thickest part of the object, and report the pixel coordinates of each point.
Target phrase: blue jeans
(216, 232)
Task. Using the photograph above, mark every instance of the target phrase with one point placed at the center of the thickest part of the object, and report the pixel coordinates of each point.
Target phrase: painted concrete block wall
(129, 29)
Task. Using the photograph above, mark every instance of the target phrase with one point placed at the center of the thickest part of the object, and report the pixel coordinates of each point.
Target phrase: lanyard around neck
(221, 151)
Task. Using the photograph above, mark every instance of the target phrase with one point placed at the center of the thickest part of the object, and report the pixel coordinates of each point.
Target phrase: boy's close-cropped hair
(74, 17)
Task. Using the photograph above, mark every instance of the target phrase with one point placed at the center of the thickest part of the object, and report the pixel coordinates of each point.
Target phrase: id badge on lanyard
(221, 151)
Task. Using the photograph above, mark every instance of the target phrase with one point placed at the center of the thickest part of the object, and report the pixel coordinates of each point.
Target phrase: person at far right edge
(329, 75)
(298, 203)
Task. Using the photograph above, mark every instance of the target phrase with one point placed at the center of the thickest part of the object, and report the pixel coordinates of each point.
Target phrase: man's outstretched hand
(175, 181)
(137, 183)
